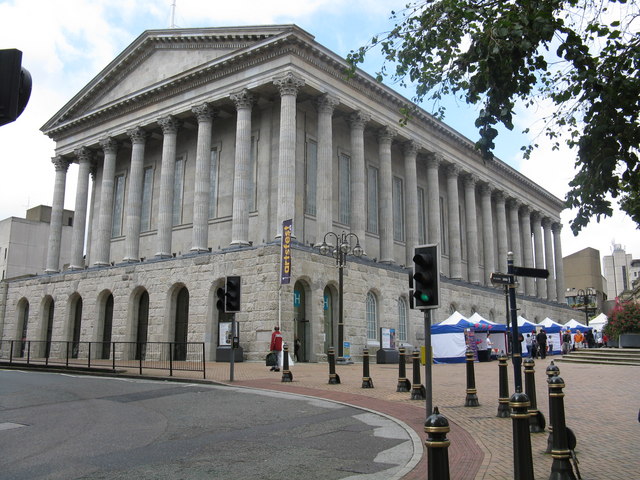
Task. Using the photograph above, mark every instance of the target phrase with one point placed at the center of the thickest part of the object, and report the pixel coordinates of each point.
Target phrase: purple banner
(285, 256)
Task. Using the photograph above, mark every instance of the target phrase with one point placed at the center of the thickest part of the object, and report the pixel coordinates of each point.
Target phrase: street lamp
(342, 248)
(585, 301)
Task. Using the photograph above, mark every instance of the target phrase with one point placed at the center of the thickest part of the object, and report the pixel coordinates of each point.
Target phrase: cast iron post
(561, 466)
(334, 379)
(536, 419)
(503, 380)
(472, 393)
(404, 385)
(436, 428)
(522, 461)
(287, 376)
(367, 381)
(552, 371)
(417, 390)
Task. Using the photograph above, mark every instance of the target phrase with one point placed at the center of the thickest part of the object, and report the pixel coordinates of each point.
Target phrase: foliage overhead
(582, 55)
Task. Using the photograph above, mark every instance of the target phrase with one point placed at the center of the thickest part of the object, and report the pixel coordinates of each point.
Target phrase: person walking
(566, 342)
(276, 346)
(541, 339)
(529, 344)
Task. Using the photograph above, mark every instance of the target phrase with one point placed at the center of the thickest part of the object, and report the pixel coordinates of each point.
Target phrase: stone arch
(180, 320)
(403, 319)
(372, 316)
(47, 317)
(74, 323)
(138, 323)
(103, 335)
(22, 326)
(303, 327)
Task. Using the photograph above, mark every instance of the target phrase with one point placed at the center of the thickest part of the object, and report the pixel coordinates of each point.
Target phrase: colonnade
(513, 220)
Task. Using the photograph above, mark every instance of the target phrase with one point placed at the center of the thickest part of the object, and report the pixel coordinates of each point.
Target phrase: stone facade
(202, 141)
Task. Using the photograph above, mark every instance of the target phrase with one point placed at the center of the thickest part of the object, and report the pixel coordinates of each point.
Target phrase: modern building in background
(585, 285)
(23, 242)
(205, 141)
(618, 271)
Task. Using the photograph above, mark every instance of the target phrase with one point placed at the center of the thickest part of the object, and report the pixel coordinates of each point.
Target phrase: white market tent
(526, 327)
(448, 339)
(554, 334)
(496, 331)
(599, 322)
(574, 324)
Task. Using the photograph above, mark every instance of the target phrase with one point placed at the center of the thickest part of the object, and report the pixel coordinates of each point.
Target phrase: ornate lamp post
(586, 294)
(343, 247)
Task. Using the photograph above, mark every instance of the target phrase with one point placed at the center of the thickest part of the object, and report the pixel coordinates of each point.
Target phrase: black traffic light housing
(220, 293)
(15, 85)
(232, 293)
(426, 277)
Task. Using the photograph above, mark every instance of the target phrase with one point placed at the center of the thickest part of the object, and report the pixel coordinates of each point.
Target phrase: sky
(66, 43)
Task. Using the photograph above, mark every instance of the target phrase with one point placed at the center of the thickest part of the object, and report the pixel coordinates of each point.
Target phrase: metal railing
(171, 356)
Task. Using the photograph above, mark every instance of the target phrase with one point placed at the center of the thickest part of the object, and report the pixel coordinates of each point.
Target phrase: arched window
(402, 320)
(372, 317)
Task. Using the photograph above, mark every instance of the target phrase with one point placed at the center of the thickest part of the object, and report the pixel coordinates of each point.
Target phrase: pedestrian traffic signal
(220, 293)
(426, 277)
(232, 291)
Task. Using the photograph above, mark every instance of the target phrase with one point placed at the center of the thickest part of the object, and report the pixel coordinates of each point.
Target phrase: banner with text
(285, 258)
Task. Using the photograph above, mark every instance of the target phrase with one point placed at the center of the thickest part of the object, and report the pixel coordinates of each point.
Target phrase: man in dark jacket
(541, 339)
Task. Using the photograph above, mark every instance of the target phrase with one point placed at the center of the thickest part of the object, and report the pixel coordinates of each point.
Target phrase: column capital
(61, 164)
(386, 134)
(536, 216)
(243, 99)
(327, 102)
(470, 180)
(359, 119)
(525, 209)
(83, 154)
(486, 188)
(288, 83)
(512, 203)
(410, 148)
(499, 196)
(109, 145)
(137, 135)
(546, 222)
(169, 124)
(452, 170)
(434, 160)
(204, 112)
(556, 227)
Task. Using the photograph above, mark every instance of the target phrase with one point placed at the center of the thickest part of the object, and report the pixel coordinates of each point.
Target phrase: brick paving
(601, 407)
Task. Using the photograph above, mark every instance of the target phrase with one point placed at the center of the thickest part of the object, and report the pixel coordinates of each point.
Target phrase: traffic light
(426, 277)
(220, 293)
(232, 288)
(15, 85)
(411, 302)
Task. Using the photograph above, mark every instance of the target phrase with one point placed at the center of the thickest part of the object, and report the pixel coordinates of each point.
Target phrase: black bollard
(287, 376)
(404, 385)
(418, 392)
(552, 371)
(522, 460)
(334, 378)
(367, 381)
(472, 393)
(503, 380)
(561, 466)
(536, 418)
(436, 427)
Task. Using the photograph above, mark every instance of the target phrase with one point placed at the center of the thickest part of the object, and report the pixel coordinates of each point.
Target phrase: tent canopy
(601, 319)
(550, 326)
(481, 324)
(525, 326)
(575, 325)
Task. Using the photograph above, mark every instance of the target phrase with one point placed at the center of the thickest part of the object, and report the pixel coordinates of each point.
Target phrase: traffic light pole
(233, 351)
(428, 386)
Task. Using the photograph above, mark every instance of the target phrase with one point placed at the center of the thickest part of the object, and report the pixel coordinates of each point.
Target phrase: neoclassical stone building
(194, 145)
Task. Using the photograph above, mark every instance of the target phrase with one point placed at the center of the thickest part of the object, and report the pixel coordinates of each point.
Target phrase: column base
(76, 267)
(101, 264)
(162, 255)
(49, 271)
(240, 243)
(130, 260)
(199, 250)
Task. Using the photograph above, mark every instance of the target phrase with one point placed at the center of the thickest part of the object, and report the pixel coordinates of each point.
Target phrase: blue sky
(65, 43)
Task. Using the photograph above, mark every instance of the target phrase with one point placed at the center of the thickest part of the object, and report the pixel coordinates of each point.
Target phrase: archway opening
(181, 324)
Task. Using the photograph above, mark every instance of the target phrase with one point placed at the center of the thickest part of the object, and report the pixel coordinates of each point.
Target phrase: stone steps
(609, 356)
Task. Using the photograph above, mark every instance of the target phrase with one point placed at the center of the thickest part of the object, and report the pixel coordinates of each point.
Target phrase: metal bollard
(522, 460)
(418, 392)
(367, 381)
(404, 385)
(536, 418)
(503, 381)
(436, 428)
(472, 393)
(552, 371)
(334, 379)
(287, 376)
(561, 466)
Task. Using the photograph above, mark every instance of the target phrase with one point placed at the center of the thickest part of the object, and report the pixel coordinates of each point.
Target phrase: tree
(495, 53)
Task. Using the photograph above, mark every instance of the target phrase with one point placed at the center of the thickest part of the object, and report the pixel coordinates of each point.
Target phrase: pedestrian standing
(276, 346)
(541, 339)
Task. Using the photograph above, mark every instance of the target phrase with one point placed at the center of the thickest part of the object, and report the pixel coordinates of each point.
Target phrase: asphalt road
(59, 426)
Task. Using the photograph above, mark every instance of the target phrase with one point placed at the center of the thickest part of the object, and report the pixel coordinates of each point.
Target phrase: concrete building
(204, 141)
(23, 242)
(583, 278)
(617, 271)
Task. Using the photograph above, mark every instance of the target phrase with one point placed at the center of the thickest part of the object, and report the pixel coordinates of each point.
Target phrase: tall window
(398, 210)
(213, 183)
(372, 317)
(402, 320)
(311, 177)
(422, 218)
(372, 199)
(118, 206)
(147, 195)
(345, 189)
(178, 190)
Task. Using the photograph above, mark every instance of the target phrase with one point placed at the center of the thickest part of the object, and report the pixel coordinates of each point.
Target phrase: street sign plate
(530, 272)
(501, 278)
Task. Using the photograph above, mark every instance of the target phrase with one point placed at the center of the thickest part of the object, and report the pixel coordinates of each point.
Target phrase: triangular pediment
(155, 58)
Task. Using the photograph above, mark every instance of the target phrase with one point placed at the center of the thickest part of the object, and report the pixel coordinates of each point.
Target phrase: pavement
(601, 407)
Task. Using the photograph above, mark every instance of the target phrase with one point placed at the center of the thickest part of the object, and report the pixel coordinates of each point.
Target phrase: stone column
(326, 103)
(433, 200)
(453, 203)
(93, 227)
(357, 121)
(487, 233)
(514, 229)
(548, 260)
(385, 137)
(288, 85)
(241, 175)
(503, 236)
(105, 214)
(536, 225)
(84, 156)
(133, 207)
(169, 125)
(411, 198)
(202, 188)
(55, 227)
(473, 264)
(556, 228)
(527, 248)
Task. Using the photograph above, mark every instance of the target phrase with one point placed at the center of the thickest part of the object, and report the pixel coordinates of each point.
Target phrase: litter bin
(483, 356)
